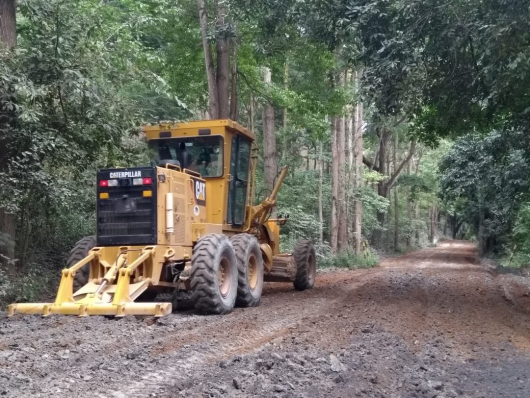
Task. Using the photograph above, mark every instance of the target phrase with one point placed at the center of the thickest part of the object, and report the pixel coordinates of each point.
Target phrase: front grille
(126, 217)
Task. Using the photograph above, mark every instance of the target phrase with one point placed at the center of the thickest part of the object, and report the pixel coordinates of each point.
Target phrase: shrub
(348, 259)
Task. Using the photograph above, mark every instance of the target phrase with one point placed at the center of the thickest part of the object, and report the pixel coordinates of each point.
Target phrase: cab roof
(178, 129)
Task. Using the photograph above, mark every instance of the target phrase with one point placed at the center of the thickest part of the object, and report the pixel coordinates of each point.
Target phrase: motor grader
(184, 227)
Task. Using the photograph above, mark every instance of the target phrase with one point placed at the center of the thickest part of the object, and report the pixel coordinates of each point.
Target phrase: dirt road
(429, 324)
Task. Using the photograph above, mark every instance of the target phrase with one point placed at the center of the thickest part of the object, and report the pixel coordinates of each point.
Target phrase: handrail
(169, 165)
(193, 173)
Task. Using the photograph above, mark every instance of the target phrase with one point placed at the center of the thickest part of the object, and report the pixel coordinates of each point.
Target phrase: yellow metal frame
(183, 129)
(105, 297)
(119, 275)
(216, 187)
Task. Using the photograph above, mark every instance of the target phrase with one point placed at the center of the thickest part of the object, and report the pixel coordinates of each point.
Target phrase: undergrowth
(348, 259)
(517, 260)
(35, 285)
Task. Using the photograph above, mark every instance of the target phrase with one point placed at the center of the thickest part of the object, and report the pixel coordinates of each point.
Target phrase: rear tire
(306, 265)
(79, 252)
(250, 270)
(214, 275)
(183, 301)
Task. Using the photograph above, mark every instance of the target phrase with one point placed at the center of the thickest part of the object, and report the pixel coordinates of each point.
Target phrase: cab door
(237, 195)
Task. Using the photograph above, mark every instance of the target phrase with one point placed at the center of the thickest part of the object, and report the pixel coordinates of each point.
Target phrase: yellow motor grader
(184, 227)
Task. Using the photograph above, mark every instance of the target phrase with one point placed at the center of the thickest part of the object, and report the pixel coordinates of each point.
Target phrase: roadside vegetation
(351, 260)
(402, 122)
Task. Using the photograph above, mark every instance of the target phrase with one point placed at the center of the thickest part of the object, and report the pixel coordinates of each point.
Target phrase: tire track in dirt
(424, 299)
(254, 335)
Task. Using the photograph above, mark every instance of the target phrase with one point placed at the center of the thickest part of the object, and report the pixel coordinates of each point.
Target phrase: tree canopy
(432, 97)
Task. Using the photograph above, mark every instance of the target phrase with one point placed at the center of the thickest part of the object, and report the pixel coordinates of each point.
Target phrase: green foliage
(372, 204)
(489, 173)
(86, 74)
(32, 286)
(348, 259)
(80, 90)
(301, 205)
(517, 250)
(415, 183)
(449, 68)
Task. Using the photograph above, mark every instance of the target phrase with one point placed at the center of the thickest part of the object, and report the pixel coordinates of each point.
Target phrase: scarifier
(185, 229)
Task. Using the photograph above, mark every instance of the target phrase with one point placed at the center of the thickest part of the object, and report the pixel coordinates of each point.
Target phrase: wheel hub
(252, 272)
(224, 279)
(312, 268)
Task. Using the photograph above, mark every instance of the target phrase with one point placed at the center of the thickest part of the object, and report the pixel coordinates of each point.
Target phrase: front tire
(250, 270)
(79, 252)
(214, 275)
(306, 265)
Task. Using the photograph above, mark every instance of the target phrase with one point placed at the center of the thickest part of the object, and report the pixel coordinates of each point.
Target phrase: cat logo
(199, 189)
(125, 174)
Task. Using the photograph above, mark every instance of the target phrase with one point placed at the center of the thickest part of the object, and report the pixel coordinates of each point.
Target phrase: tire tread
(241, 243)
(205, 294)
(302, 251)
(79, 252)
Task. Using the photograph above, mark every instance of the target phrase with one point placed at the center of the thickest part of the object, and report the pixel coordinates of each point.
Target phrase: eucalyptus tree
(8, 41)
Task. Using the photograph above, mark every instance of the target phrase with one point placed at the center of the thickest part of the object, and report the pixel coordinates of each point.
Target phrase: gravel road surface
(433, 323)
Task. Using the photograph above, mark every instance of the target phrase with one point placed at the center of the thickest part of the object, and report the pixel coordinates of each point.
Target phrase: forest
(402, 122)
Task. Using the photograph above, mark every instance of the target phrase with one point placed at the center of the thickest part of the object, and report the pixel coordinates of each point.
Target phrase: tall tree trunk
(284, 149)
(285, 87)
(433, 216)
(233, 96)
(409, 209)
(342, 239)
(384, 187)
(8, 39)
(417, 211)
(334, 186)
(213, 104)
(269, 138)
(481, 217)
(8, 24)
(429, 235)
(349, 206)
(252, 115)
(416, 205)
(24, 236)
(348, 131)
(396, 201)
(348, 163)
(223, 62)
(320, 177)
(456, 227)
(377, 237)
(357, 152)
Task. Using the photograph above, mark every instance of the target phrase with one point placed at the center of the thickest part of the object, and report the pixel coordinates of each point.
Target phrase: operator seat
(173, 162)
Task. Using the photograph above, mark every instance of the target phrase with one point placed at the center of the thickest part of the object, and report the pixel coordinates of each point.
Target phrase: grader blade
(45, 309)
(104, 298)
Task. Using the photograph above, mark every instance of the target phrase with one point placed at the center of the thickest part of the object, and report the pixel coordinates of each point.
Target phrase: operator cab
(220, 151)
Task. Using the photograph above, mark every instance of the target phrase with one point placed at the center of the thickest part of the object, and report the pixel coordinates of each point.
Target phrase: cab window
(201, 154)
(239, 164)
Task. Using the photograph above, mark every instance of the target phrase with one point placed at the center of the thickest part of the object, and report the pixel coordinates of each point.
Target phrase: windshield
(201, 154)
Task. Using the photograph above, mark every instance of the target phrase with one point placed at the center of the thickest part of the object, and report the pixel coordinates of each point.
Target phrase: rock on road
(433, 323)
